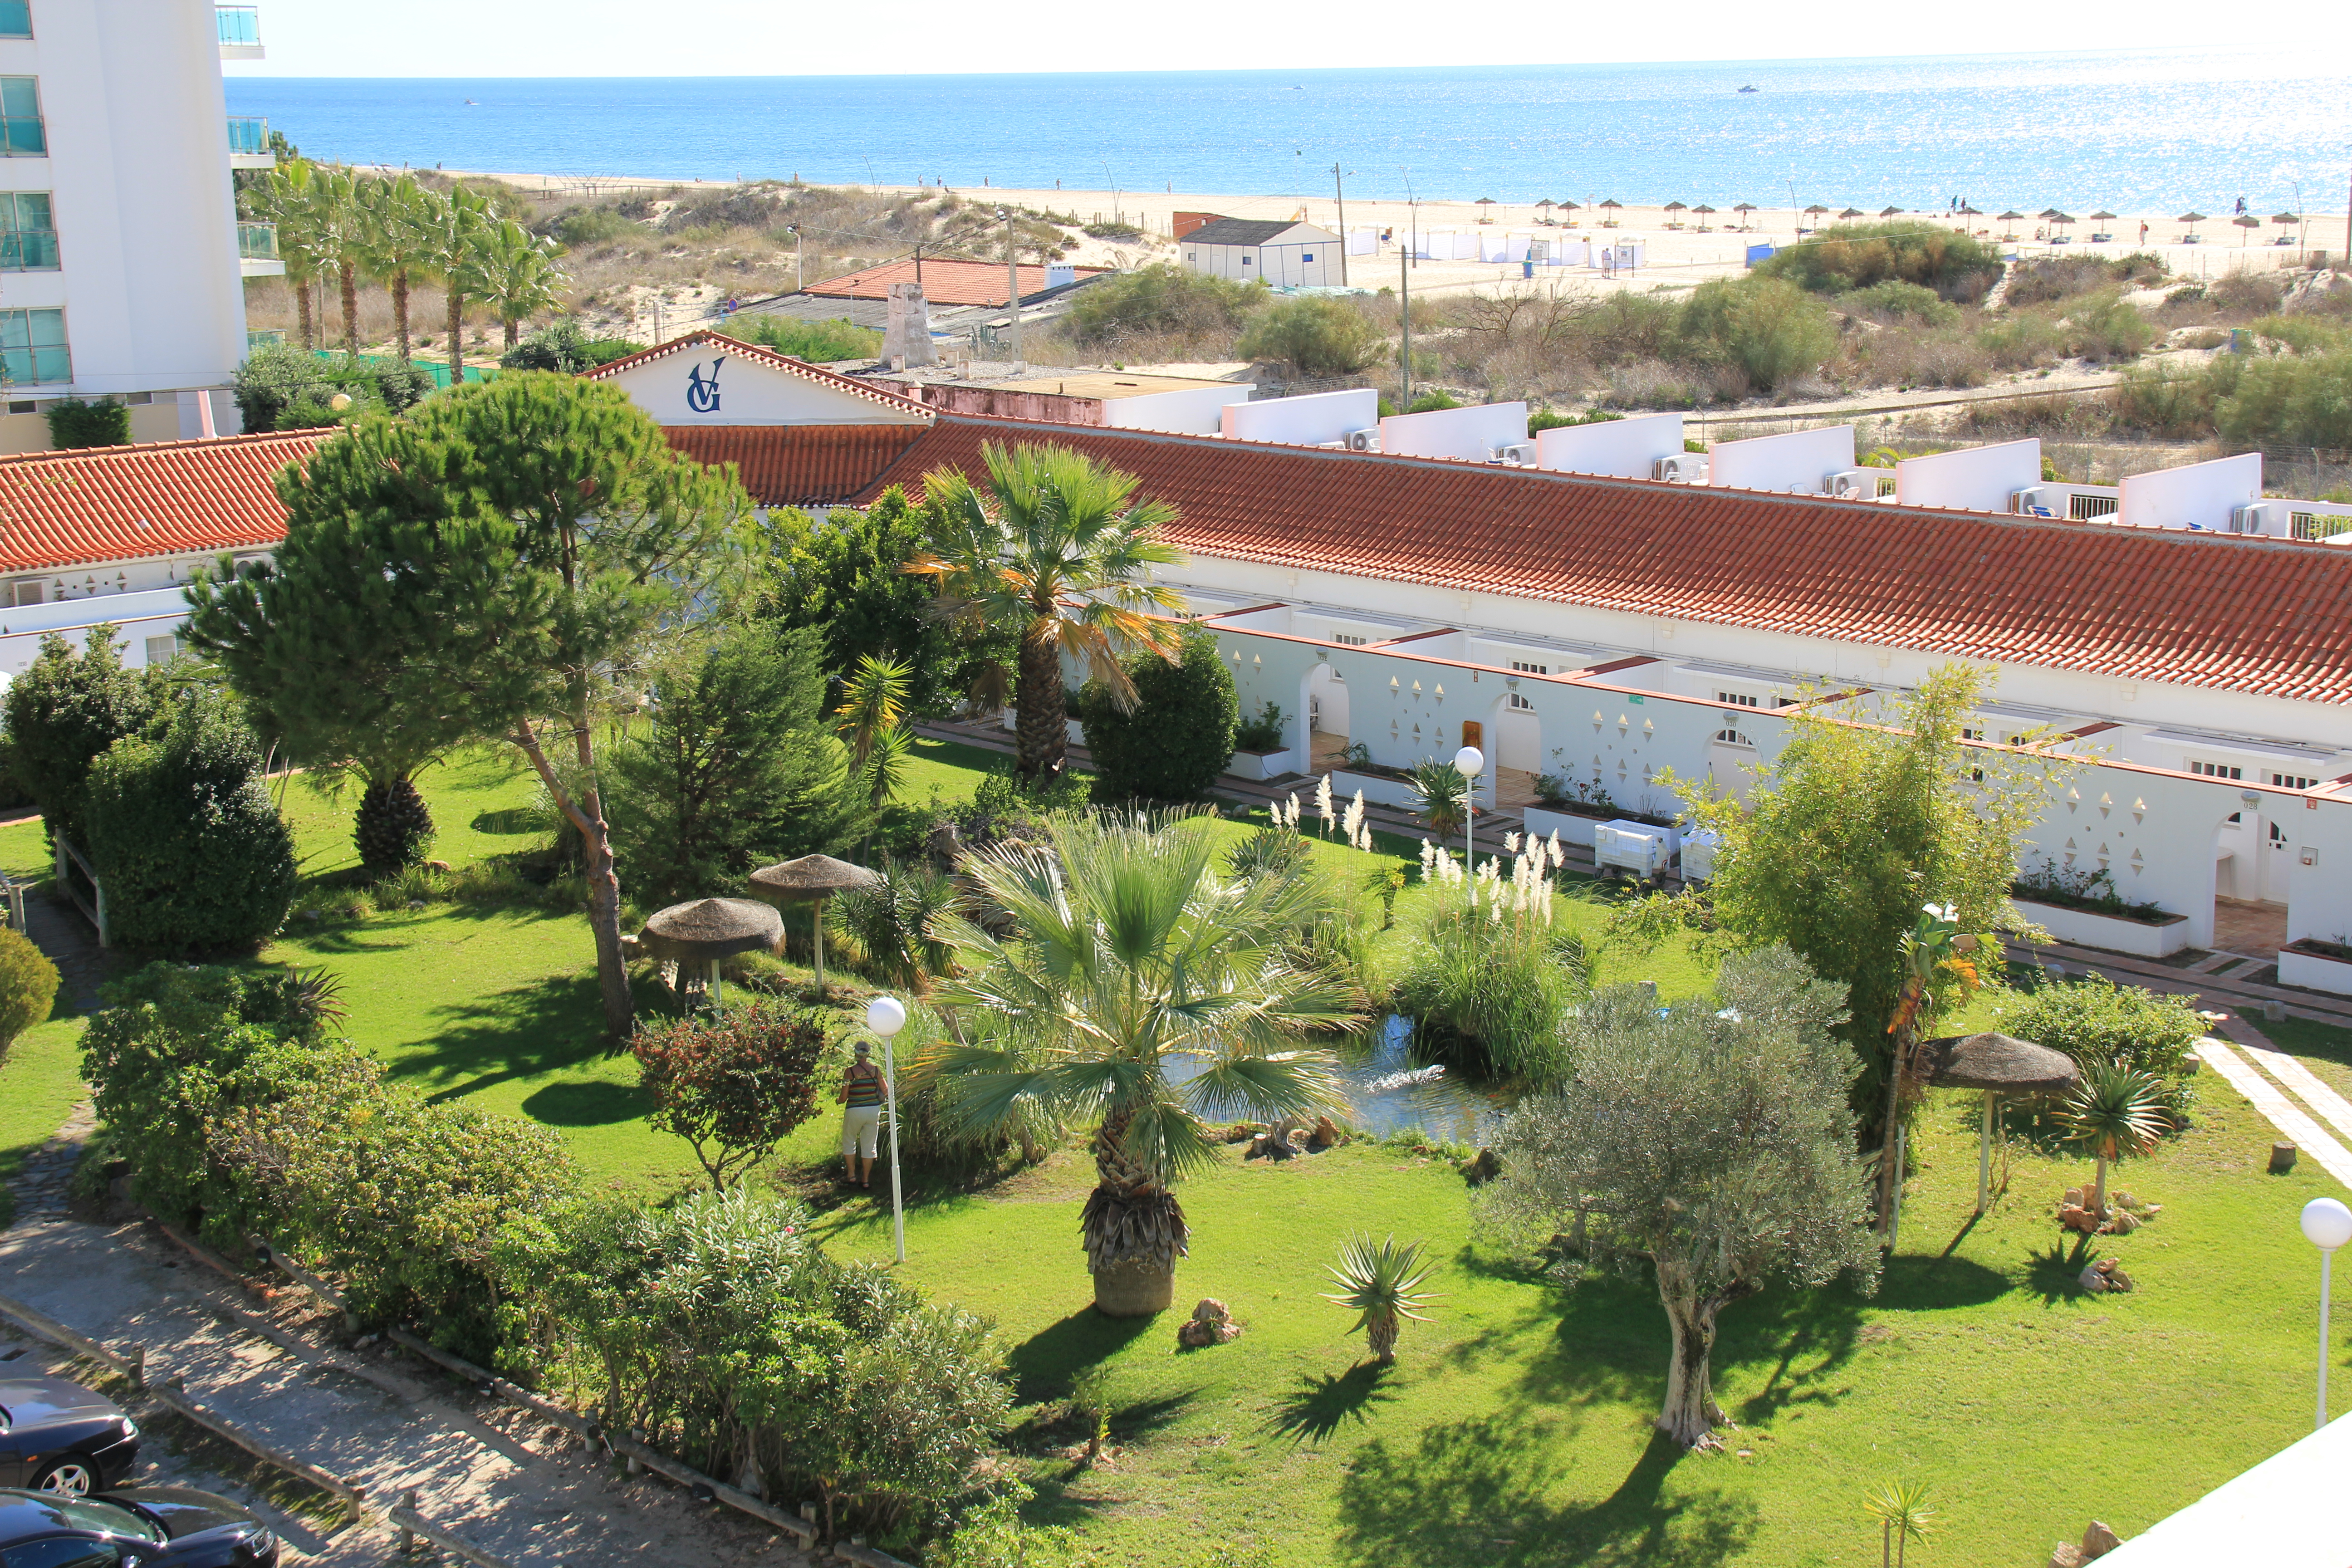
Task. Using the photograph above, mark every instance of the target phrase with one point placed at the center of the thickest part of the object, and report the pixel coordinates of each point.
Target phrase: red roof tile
(167, 498)
(798, 465)
(2245, 615)
(758, 355)
(945, 282)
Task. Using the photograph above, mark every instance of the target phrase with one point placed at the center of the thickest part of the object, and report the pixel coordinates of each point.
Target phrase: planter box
(1011, 720)
(2115, 933)
(1378, 790)
(2314, 970)
(1261, 765)
(1543, 821)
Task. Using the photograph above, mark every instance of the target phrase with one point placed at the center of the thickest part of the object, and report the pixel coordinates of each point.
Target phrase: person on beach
(861, 1124)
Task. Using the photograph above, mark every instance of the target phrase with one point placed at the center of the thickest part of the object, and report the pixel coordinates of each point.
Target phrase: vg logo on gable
(702, 390)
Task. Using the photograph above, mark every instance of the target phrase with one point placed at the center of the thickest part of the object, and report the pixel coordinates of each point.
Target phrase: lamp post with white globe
(1470, 762)
(885, 1016)
(2327, 1224)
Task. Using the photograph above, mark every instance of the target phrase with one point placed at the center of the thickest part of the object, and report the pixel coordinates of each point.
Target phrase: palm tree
(340, 230)
(397, 230)
(872, 708)
(1934, 946)
(1054, 549)
(1127, 954)
(451, 253)
(1902, 1514)
(518, 275)
(1380, 1282)
(288, 200)
(2116, 1111)
(1440, 794)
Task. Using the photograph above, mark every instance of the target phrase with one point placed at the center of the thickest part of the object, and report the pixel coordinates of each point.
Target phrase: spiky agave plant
(2116, 1111)
(1381, 1282)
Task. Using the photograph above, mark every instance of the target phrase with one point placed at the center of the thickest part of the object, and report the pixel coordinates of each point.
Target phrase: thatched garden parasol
(708, 930)
(1997, 1064)
(812, 879)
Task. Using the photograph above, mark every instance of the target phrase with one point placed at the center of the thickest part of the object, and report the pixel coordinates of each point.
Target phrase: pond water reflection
(1385, 1089)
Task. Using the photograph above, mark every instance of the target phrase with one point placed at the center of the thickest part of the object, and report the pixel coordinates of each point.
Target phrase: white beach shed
(1284, 254)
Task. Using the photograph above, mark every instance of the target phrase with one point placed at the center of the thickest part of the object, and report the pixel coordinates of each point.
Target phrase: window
(1521, 703)
(2278, 836)
(16, 18)
(2215, 770)
(21, 135)
(26, 591)
(1245, 262)
(2294, 780)
(163, 649)
(62, 1552)
(1734, 700)
(33, 347)
(1732, 738)
(1524, 668)
(1308, 255)
(1972, 734)
(1349, 640)
(28, 234)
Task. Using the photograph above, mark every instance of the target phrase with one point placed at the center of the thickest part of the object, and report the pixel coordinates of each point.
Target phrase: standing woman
(861, 1124)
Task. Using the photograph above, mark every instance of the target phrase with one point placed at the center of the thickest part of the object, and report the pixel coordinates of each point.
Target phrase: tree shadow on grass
(1044, 1363)
(2051, 1273)
(555, 1021)
(1321, 1404)
(595, 1103)
(1482, 1490)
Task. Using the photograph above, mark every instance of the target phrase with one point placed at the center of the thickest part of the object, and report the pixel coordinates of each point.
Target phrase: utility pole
(800, 272)
(1404, 318)
(1338, 185)
(1011, 279)
(1412, 212)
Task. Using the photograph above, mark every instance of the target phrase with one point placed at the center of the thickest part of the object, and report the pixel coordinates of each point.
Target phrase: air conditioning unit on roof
(2272, 517)
(1853, 484)
(1364, 440)
(1681, 469)
(1520, 452)
(2038, 500)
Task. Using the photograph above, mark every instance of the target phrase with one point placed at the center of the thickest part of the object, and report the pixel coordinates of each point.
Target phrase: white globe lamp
(2327, 1224)
(885, 1017)
(1470, 762)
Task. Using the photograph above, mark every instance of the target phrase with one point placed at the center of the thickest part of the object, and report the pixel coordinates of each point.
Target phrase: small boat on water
(1749, 90)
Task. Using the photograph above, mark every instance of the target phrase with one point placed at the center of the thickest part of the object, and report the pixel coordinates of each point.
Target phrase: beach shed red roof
(945, 281)
(2246, 614)
(166, 497)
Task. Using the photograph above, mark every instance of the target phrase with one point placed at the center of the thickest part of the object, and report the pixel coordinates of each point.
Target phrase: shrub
(1772, 330)
(74, 422)
(28, 985)
(2096, 1021)
(2020, 342)
(590, 225)
(815, 341)
(1162, 298)
(1553, 419)
(2251, 293)
(732, 1084)
(2165, 402)
(1178, 737)
(2055, 278)
(899, 923)
(2299, 400)
(283, 386)
(1855, 255)
(1319, 336)
(1490, 995)
(1891, 299)
(564, 347)
(1263, 731)
(64, 711)
(194, 856)
(2105, 328)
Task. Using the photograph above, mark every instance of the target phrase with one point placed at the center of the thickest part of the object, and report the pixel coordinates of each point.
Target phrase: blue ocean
(2133, 132)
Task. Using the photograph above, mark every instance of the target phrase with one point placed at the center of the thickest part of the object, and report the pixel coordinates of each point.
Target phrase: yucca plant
(2116, 1111)
(1902, 1514)
(901, 919)
(1439, 796)
(1380, 1282)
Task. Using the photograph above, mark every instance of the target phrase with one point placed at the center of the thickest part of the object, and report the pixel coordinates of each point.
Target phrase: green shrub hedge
(28, 986)
(1178, 737)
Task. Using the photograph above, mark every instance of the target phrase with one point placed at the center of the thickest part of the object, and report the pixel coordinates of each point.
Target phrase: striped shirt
(865, 1084)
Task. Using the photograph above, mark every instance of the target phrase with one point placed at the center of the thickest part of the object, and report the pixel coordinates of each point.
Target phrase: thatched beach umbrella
(1703, 212)
(1545, 206)
(2248, 222)
(708, 930)
(2012, 216)
(1484, 204)
(1611, 207)
(812, 879)
(1743, 209)
(1997, 1064)
(1888, 211)
(1851, 213)
(1676, 208)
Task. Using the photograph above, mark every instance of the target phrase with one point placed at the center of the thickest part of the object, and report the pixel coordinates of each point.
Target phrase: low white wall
(1011, 719)
(1470, 432)
(1571, 828)
(1378, 790)
(1621, 449)
(1979, 478)
(2314, 973)
(2087, 929)
(1260, 765)
(1309, 421)
(2201, 494)
(1798, 461)
(1187, 411)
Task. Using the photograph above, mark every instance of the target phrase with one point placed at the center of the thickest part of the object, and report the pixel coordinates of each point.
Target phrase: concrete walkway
(2298, 1116)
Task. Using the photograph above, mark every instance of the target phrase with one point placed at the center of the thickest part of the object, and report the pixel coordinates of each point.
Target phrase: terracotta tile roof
(702, 340)
(165, 498)
(2244, 615)
(945, 282)
(798, 465)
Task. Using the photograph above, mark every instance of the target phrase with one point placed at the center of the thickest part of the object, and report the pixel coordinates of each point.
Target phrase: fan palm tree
(1125, 957)
(339, 228)
(288, 200)
(451, 254)
(1440, 795)
(2116, 1111)
(396, 232)
(1380, 1283)
(1055, 549)
(518, 275)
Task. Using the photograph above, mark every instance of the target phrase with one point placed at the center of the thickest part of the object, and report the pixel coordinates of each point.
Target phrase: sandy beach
(1682, 250)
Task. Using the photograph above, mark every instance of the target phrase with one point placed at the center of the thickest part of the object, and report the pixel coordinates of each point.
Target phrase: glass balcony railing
(240, 27)
(248, 135)
(257, 241)
(28, 250)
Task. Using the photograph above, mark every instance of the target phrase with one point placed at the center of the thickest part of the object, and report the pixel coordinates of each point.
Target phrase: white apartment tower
(121, 260)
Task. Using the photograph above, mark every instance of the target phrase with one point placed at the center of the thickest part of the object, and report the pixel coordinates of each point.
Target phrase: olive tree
(1707, 1144)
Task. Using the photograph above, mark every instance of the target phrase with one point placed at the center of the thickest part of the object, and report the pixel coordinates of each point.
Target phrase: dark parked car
(59, 1436)
(154, 1527)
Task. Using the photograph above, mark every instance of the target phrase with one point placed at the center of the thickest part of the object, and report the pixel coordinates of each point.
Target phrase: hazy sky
(765, 37)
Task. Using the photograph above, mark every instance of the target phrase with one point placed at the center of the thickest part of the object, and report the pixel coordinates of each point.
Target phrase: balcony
(240, 32)
(257, 250)
(248, 143)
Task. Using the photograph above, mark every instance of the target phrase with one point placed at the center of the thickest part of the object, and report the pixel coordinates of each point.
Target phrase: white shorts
(861, 1125)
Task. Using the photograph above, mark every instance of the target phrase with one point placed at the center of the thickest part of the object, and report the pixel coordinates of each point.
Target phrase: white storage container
(1635, 847)
(1698, 855)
